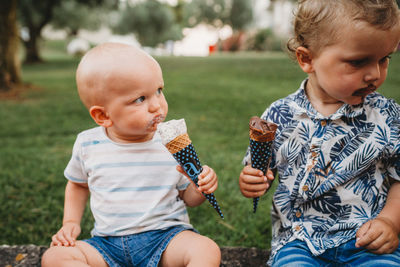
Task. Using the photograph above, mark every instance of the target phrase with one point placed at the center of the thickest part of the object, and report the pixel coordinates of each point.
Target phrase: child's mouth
(156, 120)
(365, 91)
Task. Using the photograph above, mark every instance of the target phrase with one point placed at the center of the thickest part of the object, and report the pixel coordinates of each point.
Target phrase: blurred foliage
(212, 12)
(151, 21)
(75, 15)
(236, 13)
(34, 15)
(264, 40)
(240, 15)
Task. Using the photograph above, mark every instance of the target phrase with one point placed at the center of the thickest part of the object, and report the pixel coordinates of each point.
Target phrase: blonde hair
(317, 23)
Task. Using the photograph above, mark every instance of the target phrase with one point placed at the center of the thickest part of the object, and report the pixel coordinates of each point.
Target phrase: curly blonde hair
(317, 23)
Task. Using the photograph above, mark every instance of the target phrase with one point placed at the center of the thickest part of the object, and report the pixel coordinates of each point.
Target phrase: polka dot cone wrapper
(260, 157)
(188, 159)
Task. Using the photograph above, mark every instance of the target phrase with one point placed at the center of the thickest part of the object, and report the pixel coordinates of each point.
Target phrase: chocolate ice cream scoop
(262, 130)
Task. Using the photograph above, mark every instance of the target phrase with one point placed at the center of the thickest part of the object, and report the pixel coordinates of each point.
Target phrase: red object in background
(212, 49)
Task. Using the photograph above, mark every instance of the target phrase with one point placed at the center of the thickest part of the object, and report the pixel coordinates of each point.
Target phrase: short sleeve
(183, 183)
(75, 169)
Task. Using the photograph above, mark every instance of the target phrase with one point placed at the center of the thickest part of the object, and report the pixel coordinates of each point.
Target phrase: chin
(356, 102)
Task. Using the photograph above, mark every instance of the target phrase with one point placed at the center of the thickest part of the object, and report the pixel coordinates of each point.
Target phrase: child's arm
(253, 183)
(76, 195)
(380, 235)
(208, 183)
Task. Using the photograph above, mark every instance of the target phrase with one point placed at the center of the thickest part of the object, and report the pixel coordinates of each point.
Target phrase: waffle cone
(180, 142)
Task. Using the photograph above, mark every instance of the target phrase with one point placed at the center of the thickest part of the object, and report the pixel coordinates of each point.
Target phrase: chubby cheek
(164, 107)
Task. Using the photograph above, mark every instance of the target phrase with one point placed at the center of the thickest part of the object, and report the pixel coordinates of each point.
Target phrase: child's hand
(208, 180)
(253, 183)
(378, 236)
(67, 235)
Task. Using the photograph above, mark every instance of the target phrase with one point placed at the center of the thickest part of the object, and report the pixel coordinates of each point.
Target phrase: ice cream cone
(184, 153)
(262, 134)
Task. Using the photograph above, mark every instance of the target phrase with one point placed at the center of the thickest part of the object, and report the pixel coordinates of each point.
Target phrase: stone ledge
(30, 255)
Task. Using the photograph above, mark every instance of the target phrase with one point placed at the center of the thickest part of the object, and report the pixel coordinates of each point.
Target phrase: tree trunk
(10, 69)
(31, 48)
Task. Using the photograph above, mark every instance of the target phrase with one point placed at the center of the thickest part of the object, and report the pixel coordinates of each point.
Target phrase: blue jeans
(142, 249)
(296, 253)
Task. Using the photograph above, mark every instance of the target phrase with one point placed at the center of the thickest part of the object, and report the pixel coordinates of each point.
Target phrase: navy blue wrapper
(189, 161)
(260, 158)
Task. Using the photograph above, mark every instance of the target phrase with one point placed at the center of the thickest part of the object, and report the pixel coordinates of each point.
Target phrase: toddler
(337, 146)
(138, 194)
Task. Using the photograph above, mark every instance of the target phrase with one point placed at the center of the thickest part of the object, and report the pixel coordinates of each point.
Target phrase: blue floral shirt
(333, 171)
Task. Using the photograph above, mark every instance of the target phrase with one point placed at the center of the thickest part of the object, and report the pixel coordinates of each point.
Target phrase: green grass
(216, 95)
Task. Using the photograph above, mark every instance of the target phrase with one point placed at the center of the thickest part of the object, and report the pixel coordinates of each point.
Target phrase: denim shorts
(142, 249)
(296, 253)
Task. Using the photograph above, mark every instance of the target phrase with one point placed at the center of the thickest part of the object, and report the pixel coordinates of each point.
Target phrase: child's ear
(100, 116)
(304, 58)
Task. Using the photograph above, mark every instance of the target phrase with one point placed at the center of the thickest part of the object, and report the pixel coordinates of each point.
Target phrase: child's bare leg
(191, 249)
(82, 254)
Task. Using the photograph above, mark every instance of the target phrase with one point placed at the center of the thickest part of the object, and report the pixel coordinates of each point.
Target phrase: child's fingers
(207, 176)
(58, 239)
(361, 232)
(254, 190)
(251, 179)
(386, 248)
(64, 236)
(209, 186)
(208, 180)
(255, 187)
(270, 175)
(248, 170)
(379, 245)
(55, 242)
(365, 235)
(70, 240)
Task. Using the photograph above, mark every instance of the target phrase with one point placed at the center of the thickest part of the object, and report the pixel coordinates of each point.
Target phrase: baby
(138, 194)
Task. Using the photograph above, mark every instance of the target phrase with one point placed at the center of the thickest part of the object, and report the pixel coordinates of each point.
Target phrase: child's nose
(374, 73)
(154, 104)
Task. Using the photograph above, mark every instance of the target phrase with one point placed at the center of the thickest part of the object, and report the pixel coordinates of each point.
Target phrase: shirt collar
(303, 106)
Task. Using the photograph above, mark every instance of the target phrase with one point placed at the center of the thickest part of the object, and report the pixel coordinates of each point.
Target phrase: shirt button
(297, 228)
(298, 214)
(323, 123)
(305, 188)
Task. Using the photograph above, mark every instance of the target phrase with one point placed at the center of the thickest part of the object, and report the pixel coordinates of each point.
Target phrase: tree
(240, 15)
(74, 15)
(211, 12)
(152, 23)
(9, 40)
(34, 15)
(236, 13)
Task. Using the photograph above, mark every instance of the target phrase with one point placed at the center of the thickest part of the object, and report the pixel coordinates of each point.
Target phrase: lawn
(216, 95)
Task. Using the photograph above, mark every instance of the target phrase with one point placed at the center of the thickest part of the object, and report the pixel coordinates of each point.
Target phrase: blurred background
(222, 62)
(162, 27)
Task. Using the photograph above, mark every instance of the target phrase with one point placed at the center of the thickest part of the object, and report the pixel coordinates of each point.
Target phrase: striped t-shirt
(133, 187)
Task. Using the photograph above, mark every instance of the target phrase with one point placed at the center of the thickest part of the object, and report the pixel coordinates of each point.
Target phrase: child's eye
(159, 91)
(358, 62)
(139, 100)
(385, 59)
